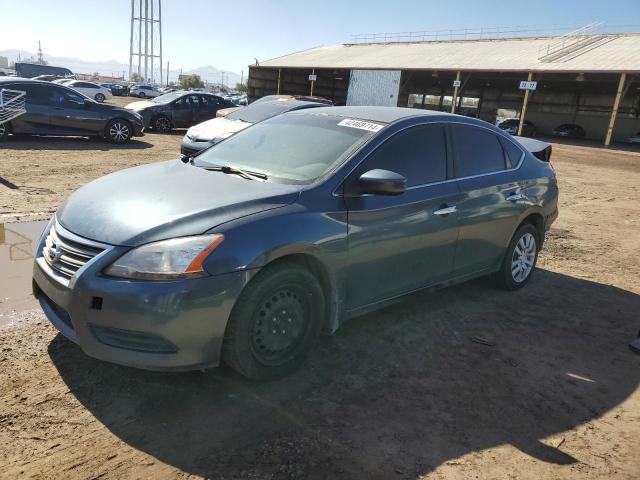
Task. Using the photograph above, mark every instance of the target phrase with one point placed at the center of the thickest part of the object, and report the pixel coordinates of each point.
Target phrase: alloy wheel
(99, 98)
(119, 132)
(278, 326)
(163, 125)
(3, 130)
(523, 258)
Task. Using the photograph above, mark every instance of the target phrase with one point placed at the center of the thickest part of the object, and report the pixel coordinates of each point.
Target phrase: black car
(569, 130)
(53, 109)
(511, 127)
(179, 109)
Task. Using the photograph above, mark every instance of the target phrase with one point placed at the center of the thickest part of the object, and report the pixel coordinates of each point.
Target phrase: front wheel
(141, 95)
(99, 98)
(162, 124)
(275, 322)
(118, 131)
(520, 259)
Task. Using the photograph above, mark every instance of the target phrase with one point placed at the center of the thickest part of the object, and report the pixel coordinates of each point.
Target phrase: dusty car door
(72, 113)
(401, 243)
(37, 116)
(486, 169)
(183, 112)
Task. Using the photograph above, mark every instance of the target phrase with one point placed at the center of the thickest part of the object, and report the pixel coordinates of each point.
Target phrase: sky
(231, 35)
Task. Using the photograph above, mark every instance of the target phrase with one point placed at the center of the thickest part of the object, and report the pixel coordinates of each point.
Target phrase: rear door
(209, 105)
(486, 169)
(37, 116)
(401, 243)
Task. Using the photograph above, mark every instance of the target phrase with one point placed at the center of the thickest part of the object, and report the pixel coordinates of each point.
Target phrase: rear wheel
(4, 131)
(99, 98)
(520, 259)
(118, 131)
(275, 322)
(142, 95)
(162, 124)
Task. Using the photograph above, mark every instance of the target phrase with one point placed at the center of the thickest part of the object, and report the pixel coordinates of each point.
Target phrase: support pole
(146, 41)
(524, 105)
(614, 112)
(131, 43)
(313, 72)
(160, 32)
(139, 38)
(151, 37)
(455, 94)
(167, 73)
(279, 73)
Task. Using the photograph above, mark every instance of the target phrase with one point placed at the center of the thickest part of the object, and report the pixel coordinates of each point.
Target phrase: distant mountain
(115, 68)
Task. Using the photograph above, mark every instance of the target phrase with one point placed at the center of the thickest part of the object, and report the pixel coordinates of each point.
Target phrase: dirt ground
(467, 382)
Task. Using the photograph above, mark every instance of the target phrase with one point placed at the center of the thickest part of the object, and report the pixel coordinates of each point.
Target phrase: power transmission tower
(40, 54)
(146, 39)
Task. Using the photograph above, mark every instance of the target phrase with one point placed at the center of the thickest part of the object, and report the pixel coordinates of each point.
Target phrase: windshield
(255, 113)
(295, 148)
(167, 97)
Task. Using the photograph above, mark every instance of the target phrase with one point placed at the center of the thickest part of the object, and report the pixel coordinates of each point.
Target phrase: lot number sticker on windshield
(361, 124)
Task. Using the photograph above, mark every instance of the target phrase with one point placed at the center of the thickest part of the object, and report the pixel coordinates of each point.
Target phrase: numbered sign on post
(456, 83)
(525, 85)
(313, 78)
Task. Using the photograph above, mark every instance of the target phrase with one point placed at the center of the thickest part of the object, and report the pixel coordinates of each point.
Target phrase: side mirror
(382, 182)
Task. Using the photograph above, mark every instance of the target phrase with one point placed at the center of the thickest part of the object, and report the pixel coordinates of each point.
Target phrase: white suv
(144, 91)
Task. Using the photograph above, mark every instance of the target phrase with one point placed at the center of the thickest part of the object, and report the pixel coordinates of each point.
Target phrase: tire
(118, 131)
(520, 259)
(99, 98)
(162, 124)
(274, 323)
(4, 131)
(142, 95)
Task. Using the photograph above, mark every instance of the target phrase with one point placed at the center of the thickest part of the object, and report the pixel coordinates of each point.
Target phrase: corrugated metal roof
(610, 53)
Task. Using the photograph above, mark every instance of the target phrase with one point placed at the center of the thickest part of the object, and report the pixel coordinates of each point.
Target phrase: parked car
(223, 112)
(178, 109)
(54, 109)
(209, 133)
(635, 138)
(63, 81)
(116, 89)
(144, 91)
(511, 127)
(569, 130)
(91, 90)
(289, 227)
(307, 98)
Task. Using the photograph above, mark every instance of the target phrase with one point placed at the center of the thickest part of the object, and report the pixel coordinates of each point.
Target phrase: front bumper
(172, 325)
(191, 147)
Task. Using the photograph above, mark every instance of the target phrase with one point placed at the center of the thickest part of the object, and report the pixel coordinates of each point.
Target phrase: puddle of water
(17, 245)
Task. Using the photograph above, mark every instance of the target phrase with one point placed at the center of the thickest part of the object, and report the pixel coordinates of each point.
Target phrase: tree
(191, 81)
(136, 78)
(241, 87)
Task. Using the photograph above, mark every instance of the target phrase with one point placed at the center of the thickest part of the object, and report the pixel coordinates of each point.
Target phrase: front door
(402, 243)
(183, 111)
(72, 114)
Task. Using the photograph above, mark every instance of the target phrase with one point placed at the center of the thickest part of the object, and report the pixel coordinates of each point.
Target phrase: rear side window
(478, 151)
(35, 93)
(419, 154)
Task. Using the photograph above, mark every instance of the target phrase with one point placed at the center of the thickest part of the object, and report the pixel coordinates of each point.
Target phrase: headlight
(166, 260)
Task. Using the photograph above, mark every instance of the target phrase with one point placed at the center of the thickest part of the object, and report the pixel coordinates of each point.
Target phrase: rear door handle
(514, 197)
(446, 210)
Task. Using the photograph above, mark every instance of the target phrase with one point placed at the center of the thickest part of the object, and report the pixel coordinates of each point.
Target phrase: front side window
(419, 154)
(294, 148)
(478, 151)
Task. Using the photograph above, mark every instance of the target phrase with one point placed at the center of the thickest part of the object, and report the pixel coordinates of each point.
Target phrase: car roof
(375, 114)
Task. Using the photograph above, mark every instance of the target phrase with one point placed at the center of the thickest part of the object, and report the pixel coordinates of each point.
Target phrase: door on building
(374, 87)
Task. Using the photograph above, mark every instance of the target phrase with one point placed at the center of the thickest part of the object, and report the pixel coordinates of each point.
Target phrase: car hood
(165, 200)
(216, 127)
(141, 105)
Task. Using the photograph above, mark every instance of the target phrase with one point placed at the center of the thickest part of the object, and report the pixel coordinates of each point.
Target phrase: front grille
(66, 256)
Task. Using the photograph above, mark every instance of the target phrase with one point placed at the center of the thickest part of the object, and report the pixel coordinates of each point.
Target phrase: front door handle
(514, 197)
(446, 211)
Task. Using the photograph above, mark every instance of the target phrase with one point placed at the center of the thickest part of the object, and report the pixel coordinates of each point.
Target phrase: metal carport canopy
(611, 53)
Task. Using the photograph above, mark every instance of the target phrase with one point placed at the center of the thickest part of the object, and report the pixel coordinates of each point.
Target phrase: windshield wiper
(249, 175)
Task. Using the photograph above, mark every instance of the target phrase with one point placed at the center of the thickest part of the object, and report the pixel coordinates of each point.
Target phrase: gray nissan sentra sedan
(248, 251)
